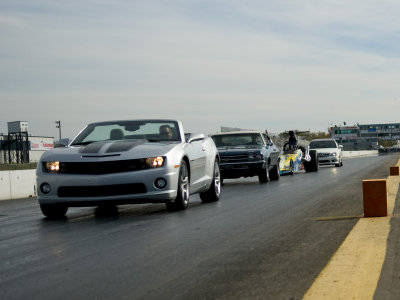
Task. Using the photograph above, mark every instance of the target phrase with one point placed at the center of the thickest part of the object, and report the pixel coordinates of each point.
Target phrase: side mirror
(195, 137)
(340, 146)
(63, 142)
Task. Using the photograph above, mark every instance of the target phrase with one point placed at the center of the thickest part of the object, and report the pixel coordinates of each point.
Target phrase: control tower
(17, 143)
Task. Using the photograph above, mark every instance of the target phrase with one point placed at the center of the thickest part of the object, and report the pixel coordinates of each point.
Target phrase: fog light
(45, 188)
(160, 183)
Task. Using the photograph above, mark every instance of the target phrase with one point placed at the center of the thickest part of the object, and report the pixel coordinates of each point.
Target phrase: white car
(329, 152)
(132, 161)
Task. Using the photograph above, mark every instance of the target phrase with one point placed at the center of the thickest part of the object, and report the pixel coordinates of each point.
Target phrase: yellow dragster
(296, 158)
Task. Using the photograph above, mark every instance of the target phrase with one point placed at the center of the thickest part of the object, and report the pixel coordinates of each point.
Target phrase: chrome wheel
(214, 192)
(217, 180)
(182, 197)
(184, 184)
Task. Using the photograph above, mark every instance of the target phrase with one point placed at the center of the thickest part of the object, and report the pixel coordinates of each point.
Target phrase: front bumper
(116, 188)
(243, 169)
(327, 159)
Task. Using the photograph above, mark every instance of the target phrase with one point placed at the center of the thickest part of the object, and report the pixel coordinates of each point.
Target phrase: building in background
(366, 136)
(345, 134)
(379, 132)
(19, 147)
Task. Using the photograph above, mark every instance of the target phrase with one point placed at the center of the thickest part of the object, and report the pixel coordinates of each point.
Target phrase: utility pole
(58, 125)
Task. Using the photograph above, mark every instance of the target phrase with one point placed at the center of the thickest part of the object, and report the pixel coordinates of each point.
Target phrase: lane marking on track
(354, 270)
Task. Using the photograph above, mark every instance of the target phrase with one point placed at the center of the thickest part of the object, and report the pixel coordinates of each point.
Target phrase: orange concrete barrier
(394, 171)
(375, 197)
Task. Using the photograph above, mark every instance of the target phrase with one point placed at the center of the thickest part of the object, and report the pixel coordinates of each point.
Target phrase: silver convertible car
(132, 161)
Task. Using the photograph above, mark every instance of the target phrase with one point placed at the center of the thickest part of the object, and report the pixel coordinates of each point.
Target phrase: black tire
(275, 173)
(263, 177)
(54, 211)
(214, 192)
(312, 165)
(340, 164)
(181, 201)
(291, 167)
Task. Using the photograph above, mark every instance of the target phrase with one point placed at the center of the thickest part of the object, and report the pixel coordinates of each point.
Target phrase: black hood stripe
(93, 147)
(122, 146)
(116, 146)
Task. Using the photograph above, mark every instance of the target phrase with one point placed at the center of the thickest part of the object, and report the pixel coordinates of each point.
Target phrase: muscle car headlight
(259, 157)
(255, 156)
(155, 162)
(52, 166)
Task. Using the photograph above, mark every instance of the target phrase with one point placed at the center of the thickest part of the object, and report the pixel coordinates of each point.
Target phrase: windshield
(322, 144)
(237, 140)
(153, 131)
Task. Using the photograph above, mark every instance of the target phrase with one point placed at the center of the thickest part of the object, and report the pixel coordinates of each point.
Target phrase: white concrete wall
(17, 184)
(359, 153)
(5, 185)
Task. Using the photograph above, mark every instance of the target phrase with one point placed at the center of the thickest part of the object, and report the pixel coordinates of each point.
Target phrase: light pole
(58, 125)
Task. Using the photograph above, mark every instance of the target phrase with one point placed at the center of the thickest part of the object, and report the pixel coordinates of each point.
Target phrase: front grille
(103, 167)
(102, 190)
(234, 158)
(323, 154)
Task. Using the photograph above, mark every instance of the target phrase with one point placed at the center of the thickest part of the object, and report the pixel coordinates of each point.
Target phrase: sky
(257, 64)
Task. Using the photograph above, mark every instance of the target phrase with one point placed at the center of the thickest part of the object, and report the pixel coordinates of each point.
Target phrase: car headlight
(52, 166)
(333, 154)
(155, 162)
(255, 156)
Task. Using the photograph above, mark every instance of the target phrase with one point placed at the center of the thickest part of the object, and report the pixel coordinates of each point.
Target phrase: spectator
(292, 140)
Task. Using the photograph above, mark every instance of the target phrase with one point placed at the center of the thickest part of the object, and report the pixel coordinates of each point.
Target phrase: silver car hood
(109, 150)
